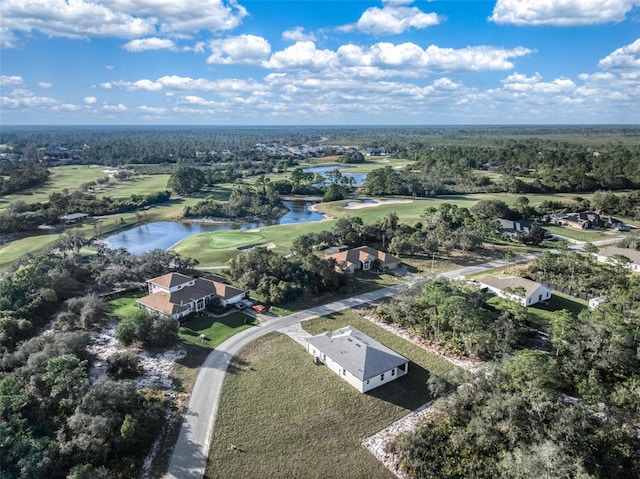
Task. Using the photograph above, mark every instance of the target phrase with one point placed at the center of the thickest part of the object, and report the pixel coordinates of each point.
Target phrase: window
(367, 381)
(393, 372)
(382, 377)
(344, 372)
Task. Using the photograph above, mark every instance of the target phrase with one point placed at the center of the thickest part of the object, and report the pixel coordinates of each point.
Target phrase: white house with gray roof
(358, 359)
(514, 288)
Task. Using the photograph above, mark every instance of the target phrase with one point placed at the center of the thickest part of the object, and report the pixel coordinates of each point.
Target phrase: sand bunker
(261, 245)
(368, 203)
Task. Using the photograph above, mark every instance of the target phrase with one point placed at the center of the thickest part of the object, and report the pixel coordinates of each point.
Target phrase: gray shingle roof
(362, 356)
(511, 282)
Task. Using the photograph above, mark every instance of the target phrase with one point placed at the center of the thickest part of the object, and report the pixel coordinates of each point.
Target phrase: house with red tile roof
(362, 259)
(176, 295)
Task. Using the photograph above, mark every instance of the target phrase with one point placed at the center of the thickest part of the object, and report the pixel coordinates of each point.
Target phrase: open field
(69, 177)
(214, 330)
(125, 306)
(10, 253)
(281, 415)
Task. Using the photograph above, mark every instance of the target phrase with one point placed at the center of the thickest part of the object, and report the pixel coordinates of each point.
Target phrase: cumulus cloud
(152, 110)
(114, 108)
(243, 49)
(385, 59)
(14, 80)
(116, 18)
(22, 98)
(179, 83)
(625, 58)
(153, 43)
(90, 100)
(393, 18)
(560, 12)
(522, 83)
(298, 34)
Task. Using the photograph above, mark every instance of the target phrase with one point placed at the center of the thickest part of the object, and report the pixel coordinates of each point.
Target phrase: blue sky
(309, 62)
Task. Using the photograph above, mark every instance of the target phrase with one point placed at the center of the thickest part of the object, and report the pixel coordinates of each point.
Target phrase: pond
(164, 234)
(358, 177)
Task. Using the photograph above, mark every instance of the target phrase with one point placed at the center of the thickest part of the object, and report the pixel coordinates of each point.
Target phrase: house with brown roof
(176, 295)
(514, 288)
(362, 259)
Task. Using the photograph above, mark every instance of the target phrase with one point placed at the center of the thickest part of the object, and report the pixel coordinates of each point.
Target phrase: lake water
(164, 234)
(358, 177)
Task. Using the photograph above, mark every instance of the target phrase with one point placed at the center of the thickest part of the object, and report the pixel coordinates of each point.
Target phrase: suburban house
(585, 220)
(512, 229)
(176, 295)
(605, 254)
(358, 359)
(362, 258)
(514, 288)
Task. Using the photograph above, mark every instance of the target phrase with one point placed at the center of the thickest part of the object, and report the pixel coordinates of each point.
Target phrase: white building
(176, 295)
(358, 359)
(595, 302)
(514, 288)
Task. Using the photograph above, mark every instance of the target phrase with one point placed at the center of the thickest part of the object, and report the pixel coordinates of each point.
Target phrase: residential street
(190, 454)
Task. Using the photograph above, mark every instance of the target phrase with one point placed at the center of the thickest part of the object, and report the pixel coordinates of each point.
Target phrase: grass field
(576, 234)
(125, 306)
(281, 415)
(11, 253)
(214, 330)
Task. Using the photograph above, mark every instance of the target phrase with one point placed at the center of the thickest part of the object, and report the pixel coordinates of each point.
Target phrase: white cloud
(114, 108)
(385, 59)
(179, 83)
(625, 58)
(116, 18)
(89, 100)
(21, 98)
(14, 80)
(109, 67)
(152, 110)
(67, 107)
(298, 34)
(153, 43)
(243, 49)
(45, 85)
(560, 12)
(522, 83)
(302, 55)
(393, 18)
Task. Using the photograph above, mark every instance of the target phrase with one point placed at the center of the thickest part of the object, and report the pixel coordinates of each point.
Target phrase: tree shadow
(409, 392)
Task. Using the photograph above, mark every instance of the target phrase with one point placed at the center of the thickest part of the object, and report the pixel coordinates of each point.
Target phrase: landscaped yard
(209, 331)
(281, 415)
(541, 313)
(125, 306)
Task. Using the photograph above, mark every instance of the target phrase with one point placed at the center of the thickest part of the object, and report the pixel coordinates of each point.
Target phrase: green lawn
(125, 306)
(576, 234)
(11, 253)
(281, 415)
(215, 330)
